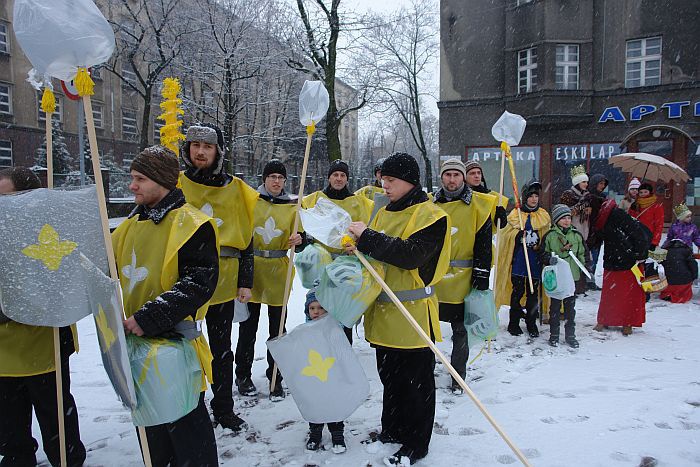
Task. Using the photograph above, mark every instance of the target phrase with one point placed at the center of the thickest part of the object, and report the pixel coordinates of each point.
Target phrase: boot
(315, 433)
(246, 387)
(573, 343)
(514, 323)
(277, 394)
(598, 327)
(626, 330)
(338, 440)
(231, 421)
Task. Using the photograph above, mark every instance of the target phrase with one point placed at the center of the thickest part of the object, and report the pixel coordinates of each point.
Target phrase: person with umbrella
(649, 211)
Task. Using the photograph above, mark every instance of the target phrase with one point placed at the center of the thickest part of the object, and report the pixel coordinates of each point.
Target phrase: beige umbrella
(649, 166)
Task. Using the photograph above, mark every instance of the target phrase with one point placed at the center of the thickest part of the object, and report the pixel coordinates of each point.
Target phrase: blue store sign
(582, 152)
(673, 109)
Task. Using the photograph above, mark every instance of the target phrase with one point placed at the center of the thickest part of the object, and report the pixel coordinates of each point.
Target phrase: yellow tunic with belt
(273, 224)
(359, 208)
(232, 207)
(27, 350)
(149, 252)
(369, 191)
(384, 323)
(466, 220)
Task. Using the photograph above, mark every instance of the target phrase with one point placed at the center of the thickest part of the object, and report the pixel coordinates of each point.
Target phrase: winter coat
(578, 201)
(687, 232)
(564, 244)
(680, 266)
(651, 216)
(593, 185)
(626, 239)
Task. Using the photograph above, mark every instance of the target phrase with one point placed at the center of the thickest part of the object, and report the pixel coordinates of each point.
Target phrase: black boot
(514, 323)
(246, 387)
(231, 421)
(315, 433)
(338, 440)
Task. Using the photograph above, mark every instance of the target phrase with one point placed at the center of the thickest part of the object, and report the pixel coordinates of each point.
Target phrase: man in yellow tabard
(474, 177)
(28, 377)
(167, 258)
(411, 235)
(470, 254)
(370, 191)
(272, 238)
(230, 201)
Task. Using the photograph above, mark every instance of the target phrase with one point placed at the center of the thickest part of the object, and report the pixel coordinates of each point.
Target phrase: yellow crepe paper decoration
(83, 83)
(170, 134)
(107, 334)
(48, 101)
(50, 250)
(318, 366)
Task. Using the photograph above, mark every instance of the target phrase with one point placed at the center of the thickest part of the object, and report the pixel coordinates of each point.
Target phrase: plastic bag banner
(347, 289)
(480, 316)
(313, 102)
(310, 263)
(240, 311)
(58, 36)
(167, 378)
(105, 302)
(509, 128)
(326, 222)
(42, 235)
(557, 280)
(322, 372)
(598, 275)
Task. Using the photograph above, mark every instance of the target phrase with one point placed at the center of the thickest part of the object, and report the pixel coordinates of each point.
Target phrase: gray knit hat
(159, 164)
(559, 211)
(453, 164)
(471, 165)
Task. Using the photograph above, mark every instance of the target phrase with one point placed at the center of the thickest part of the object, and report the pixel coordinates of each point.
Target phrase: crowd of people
(210, 242)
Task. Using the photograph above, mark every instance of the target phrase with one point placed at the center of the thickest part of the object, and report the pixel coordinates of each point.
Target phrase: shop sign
(674, 110)
(520, 154)
(582, 152)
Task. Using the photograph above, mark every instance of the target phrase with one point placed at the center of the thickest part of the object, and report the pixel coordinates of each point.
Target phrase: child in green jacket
(564, 240)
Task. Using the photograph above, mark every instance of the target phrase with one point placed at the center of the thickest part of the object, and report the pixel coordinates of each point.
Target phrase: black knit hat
(531, 187)
(274, 166)
(339, 166)
(647, 186)
(403, 166)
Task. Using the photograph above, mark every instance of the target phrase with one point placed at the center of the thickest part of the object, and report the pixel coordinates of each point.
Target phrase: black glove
(480, 279)
(501, 215)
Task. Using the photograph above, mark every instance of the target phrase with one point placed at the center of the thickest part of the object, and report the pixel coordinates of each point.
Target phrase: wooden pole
(440, 356)
(102, 203)
(498, 221)
(288, 282)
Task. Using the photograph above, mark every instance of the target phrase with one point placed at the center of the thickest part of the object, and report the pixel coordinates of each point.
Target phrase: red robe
(622, 301)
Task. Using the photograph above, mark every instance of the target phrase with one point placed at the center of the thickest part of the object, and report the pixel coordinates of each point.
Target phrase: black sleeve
(412, 253)
(306, 240)
(501, 215)
(198, 270)
(483, 248)
(692, 266)
(245, 267)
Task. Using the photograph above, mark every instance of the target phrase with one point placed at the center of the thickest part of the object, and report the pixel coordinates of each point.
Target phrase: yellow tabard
(27, 350)
(359, 208)
(466, 219)
(147, 261)
(369, 191)
(384, 323)
(273, 227)
(232, 207)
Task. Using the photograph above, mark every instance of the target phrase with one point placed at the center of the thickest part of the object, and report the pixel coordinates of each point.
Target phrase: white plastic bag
(480, 316)
(509, 128)
(310, 263)
(326, 222)
(58, 36)
(598, 277)
(313, 102)
(557, 280)
(240, 311)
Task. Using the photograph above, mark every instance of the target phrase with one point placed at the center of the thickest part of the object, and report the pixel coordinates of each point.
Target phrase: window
(97, 114)
(96, 72)
(527, 70)
(129, 124)
(58, 113)
(127, 158)
(643, 65)
(157, 125)
(5, 154)
(567, 67)
(522, 2)
(4, 38)
(128, 74)
(5, 99)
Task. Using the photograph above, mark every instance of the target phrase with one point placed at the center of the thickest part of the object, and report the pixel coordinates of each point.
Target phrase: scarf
(644, 203)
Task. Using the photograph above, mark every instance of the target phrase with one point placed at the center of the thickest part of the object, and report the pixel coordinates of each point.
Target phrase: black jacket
(679, 265)
(626, 241)
(198, 273)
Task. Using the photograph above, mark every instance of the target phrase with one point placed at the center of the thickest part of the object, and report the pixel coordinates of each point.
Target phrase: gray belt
(408, 295)
(270, 253)
(461, 263)
(190, 330)
(229, 252)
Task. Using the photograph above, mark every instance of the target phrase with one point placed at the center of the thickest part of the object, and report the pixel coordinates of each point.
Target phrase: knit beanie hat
(634, 183)
(206, 133)
(310, 298)
(159, 164)
(578, 175)
(403, 166)
(453, 164)
(531, 187)
(647, 186)
(471, 165)
(559, 211)
(274, 166)
(339, 166)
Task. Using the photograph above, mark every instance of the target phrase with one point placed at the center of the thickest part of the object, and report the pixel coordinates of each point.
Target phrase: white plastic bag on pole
(313, 103)
(598, 276)
(58, 36)
(509, 128)
(326, 222)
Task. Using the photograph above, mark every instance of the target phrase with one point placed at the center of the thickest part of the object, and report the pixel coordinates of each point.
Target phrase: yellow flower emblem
(50, 250)
(318, 366)
(105, 331)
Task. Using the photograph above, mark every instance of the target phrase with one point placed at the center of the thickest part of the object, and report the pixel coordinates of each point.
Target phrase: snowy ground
(610, 403)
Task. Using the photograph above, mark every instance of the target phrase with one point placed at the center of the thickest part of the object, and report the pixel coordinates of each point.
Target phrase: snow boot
(403, 457)
(315, 434)
(599, 327)
(514, 323)
(246, 387)
(231, 421)
(626, 330)
(573, 343)
(554, 341)
(277, 394)
(338, 442)
(382, 437)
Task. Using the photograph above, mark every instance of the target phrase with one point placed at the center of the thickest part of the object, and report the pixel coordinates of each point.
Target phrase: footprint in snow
(663, 425)
(689, 425)
(506, 459)
(101, 418)
(283, 425)
(469, 431)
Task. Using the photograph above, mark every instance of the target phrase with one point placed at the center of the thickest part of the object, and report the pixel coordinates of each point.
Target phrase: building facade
(593, 78)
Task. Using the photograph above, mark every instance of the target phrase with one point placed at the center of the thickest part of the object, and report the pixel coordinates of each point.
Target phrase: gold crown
(680, 210)
(578, 170)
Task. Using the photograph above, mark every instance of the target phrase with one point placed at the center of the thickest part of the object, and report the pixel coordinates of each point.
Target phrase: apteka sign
(674, 109)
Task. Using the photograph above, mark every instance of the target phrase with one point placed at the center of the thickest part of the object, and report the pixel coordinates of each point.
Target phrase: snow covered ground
(612, 402)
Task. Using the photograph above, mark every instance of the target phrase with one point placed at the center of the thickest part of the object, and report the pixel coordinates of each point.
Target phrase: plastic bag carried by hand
(240, 311)
(58, 36)
(167, 379)
(310, 264)
(313, 102)
(598, 276)
(480, 316)
(509, 128)
(557, 280)
(347, 289)
(326, 222)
